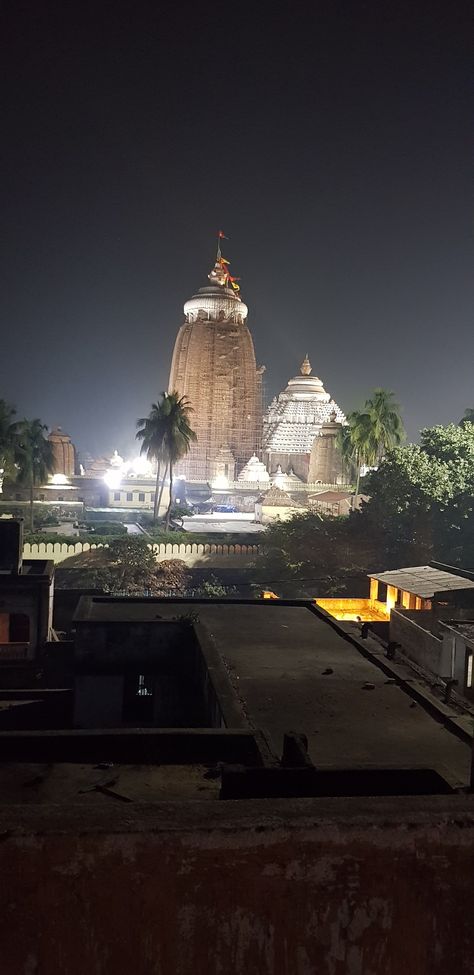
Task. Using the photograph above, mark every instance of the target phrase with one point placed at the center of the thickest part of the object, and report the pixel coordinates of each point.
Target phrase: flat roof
(293, 670)
(423, 580)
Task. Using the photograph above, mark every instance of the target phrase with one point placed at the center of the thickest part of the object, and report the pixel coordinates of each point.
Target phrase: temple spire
(305, 367)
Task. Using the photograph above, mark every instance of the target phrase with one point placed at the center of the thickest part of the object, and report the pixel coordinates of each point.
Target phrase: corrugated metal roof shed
(423, 580)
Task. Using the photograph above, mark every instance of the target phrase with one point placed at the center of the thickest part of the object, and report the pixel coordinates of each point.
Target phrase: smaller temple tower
(64, 453)
(325, 462)
(294, 419)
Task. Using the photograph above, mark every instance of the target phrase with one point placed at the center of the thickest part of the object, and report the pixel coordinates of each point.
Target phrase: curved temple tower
(293, 421)
(214, 366)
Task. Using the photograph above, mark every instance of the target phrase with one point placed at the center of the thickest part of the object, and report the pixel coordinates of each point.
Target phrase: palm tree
(178, 437)
(387, 429)
(373, 430)
(8, 444)
(468, 417)
(346, 452)
(35, 458)
(151, 431)
(364, 448)
(166, 437)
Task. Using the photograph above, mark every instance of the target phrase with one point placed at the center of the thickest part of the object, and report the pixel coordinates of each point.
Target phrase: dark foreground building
(243, 787)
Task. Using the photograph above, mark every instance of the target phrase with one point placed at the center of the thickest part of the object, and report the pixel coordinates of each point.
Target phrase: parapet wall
(280, 887)
(192, 553)
(418, 643)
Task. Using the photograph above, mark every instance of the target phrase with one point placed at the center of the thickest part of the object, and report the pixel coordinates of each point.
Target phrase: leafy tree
(468, 417)
(34, 457)
(132, 564)
(421, 497)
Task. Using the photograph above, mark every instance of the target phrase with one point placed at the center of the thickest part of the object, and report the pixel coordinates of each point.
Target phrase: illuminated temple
(303, 420)
(214, 366)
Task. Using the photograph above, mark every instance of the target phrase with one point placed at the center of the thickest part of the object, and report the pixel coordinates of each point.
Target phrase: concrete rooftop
(294, 671)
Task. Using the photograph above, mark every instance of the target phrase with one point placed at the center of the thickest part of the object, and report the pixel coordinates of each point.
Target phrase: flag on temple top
(223, 260)
(222, 235)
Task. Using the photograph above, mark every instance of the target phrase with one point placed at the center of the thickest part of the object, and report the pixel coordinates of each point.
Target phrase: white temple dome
(217, 301)
(296, 416)
(285, 481)
(255, 471)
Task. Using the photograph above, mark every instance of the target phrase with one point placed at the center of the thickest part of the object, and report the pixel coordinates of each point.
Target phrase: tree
(151, 432)
(385, 421)
(374, 430)
(346, 449)
(467, 418)
(363, 445)
(421, 498)
(178, 436)
(167, 436)
(132, 564)
(8, 441)
(34, 457)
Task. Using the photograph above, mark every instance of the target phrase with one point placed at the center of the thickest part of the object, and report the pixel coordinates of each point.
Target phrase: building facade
(214, 366)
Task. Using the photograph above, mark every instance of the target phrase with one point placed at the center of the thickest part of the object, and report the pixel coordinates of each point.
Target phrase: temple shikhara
(300, 427)
(214, 366)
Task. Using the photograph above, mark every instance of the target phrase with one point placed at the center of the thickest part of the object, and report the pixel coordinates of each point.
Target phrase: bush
(107, 528)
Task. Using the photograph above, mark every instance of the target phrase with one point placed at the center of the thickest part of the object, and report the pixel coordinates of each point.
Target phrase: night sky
(329, 140)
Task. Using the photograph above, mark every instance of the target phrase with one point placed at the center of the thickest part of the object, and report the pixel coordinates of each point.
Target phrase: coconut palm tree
(34, 457)
(151, 431)
(364, 448)
(178, 437)
(346, 451)
(386, 425)
(373, 430)
(166, 437)
(8, 440)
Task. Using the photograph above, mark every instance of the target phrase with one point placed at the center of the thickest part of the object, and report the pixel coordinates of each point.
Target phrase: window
(469, 670)
(152, 497)
(116, 495)
(14, 628)
(138, 699)
(141, 496)
(129, 496)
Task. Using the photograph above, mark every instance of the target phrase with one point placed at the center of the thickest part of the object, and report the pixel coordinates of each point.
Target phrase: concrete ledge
(161, 746)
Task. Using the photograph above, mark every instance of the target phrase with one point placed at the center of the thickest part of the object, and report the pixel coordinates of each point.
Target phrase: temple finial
(305, 367)
(220, 273)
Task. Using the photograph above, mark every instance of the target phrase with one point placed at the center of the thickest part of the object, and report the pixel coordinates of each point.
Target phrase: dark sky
(329, 140)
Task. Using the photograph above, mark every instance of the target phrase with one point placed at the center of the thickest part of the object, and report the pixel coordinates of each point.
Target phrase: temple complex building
(303, 412)
(214, 366)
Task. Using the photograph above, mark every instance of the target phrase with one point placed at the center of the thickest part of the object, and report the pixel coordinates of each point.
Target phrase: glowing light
(141, 467)
(59, 479)
(113, 479)
(116, 460)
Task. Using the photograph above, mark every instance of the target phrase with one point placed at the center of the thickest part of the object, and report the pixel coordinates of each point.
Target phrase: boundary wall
(192, 553)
